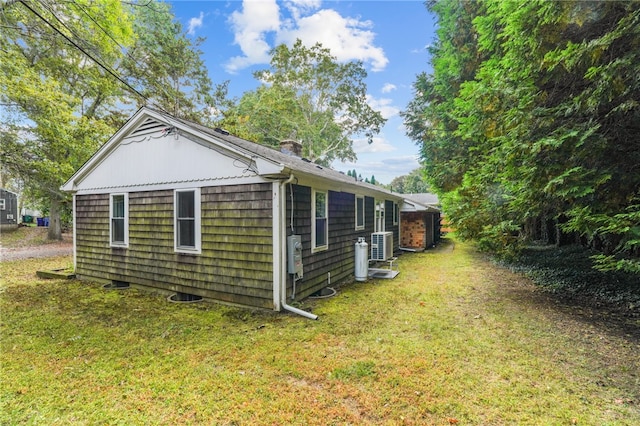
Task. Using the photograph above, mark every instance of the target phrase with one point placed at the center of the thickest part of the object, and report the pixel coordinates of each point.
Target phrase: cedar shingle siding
(235, 265)
(339, 258)
(232, 258)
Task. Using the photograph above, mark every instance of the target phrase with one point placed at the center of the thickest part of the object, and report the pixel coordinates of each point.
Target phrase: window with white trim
(396, 213)
(359, 213)
(379, 216)
(2, 204)
(119, 220)
(320, 224)
(187, 221)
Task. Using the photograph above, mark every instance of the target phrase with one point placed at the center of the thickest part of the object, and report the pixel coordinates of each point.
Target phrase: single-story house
(420, 222)
(177, 207)
(8, 209)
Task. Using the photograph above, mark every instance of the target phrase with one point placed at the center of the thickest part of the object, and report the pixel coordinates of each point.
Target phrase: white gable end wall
(159, 159)
(152, 154)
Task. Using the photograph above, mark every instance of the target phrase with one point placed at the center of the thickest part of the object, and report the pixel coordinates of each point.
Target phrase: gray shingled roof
(290, 162)
(424, 198)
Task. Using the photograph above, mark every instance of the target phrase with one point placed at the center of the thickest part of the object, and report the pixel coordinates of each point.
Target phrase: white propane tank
(362, 263)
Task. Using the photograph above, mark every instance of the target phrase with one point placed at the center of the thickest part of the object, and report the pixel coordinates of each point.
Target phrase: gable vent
(149, 125)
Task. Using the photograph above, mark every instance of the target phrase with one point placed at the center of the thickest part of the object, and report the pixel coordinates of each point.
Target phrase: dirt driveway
(29, 243)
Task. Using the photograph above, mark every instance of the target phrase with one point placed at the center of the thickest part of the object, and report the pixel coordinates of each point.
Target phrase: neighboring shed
(8, 209)
(420, 222)
(174, 206)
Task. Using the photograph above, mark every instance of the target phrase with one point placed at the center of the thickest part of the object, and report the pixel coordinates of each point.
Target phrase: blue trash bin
(40, 221)
(46, 221)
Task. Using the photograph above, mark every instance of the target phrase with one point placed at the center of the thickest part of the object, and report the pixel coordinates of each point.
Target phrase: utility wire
(100, 64)
(98, 24)
(124, 50)
(79, 40)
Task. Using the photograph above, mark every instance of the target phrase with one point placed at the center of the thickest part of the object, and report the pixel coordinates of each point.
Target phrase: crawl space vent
(184, 298)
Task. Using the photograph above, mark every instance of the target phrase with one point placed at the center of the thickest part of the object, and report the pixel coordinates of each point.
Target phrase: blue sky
(390, 37)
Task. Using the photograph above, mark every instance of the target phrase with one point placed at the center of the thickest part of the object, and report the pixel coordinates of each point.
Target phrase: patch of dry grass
(23, 236)
(452, 338)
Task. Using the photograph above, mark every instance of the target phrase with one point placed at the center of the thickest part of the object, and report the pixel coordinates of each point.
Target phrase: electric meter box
(294, 255)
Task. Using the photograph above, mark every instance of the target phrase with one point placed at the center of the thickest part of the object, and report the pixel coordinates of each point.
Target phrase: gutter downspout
(279, 249)
(75, 233)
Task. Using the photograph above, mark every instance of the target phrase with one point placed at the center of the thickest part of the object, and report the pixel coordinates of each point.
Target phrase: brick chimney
(291, 147)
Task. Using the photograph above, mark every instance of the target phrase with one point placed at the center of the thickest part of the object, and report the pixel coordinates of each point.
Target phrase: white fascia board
(318, 182)
(10, 192)
(161, 186)
(412, 206)
(104, 150)
(408, 206)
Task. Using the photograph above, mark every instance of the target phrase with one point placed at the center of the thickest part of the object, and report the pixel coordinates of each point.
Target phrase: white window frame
(314, 247)
(197, 249)
(396, 213)
(125, 243)
(379, 216)
(360, 213)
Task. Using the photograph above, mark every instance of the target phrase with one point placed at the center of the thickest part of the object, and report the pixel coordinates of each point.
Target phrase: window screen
(118, 219)
(321, 228)
(186, 219)
(359, 212)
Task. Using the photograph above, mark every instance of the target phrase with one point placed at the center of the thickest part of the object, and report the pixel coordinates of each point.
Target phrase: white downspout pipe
(280, 248)
(75, 233)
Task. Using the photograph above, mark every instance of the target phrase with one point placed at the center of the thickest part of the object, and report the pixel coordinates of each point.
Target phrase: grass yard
(25, 236)
(453, 339)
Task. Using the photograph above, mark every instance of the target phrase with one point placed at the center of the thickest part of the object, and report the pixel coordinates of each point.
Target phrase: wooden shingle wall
(339, 258)
(235, 265)
(389, 225)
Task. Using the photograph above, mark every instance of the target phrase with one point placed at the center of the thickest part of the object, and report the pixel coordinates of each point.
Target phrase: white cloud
(347, 38)
(362, 146)
(299, 7)
(383, 105)
(195, 23)
(388, 88)
(404, 162)
(250, 27)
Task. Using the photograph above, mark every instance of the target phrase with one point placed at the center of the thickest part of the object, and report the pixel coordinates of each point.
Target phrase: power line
(98, 24)
(100, 64)
(143, 67)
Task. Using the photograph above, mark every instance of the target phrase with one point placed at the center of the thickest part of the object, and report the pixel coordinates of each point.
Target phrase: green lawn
(453, 338)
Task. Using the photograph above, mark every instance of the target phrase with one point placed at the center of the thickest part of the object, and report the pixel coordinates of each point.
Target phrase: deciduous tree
(67, 71)
(307, 96)
(54, 94)
(166, 65)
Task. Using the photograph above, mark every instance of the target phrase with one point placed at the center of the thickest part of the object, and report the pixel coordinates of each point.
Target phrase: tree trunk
(544, 228)
(55, 227)
(563, 238)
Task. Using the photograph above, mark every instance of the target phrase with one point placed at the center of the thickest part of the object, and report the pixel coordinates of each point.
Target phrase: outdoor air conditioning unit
(381, 245)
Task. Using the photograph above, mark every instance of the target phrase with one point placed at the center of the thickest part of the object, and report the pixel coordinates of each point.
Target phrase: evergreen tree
(528, 124)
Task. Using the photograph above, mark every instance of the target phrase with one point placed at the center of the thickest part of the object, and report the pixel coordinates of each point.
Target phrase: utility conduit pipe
(283, 248)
